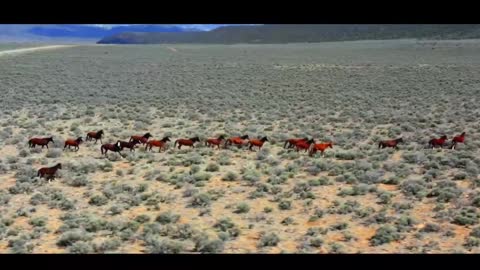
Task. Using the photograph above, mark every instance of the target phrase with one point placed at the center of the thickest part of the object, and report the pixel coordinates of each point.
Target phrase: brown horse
(129, 145)
(142, 139)
(75, 143)
(257, 142)
(95, 135)
(212, 142)
(110, 146)
(40, 141)
(390, 143)
(458, 139)
(238, 141)
(437, 142)
(49, 172)
(187, 142)
(161, 144)
(320, 147)
(290, 143)
(302, 145)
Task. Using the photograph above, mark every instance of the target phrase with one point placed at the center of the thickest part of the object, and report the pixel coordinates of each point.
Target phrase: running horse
(94, 135)
(130, 145)
(257, 142)
(290, 143)
(72, 142)
(49, 172)
(320, 147)
(187, 142)
(161, 144)
(302, 145)
(238, 141)
(437, 141)
(142, 139)
(390, 143)
(40, 141)
(458, 139)
(212, 142)
(111, 147)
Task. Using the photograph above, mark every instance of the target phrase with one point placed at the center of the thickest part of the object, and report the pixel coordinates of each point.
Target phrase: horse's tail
(379, 144)
(101, 149)
(285, 145)
(38, 173)
(175, 144)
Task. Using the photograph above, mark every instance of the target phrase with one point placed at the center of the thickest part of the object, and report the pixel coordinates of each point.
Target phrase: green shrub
(167, 217)
(316, 242)
(285, 205)
(201, 200)
(384, 235)
(269, 240)
(230, 176)
(164, 246)
(242, 208)
(142, 219)
(70, 237)
(98, 200)
(212, 167)
(466, 216)
(81, 247)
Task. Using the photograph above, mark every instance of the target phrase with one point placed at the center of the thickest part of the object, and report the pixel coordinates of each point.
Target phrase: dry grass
(355, 199)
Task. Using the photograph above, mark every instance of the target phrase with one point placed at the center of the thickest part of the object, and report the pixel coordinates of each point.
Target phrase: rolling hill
(299, 33)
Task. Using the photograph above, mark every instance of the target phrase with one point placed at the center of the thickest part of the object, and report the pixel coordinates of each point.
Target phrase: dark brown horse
(304, 145)
(142, 139)
(187, 142)
(437, 142)
(130, 145)
(458, 139)
(111, 147)
(212, 142)
(290, 143)
(49, 172)
(320, 147)
(40, 141)
(161, 144)
(390, 143)
(238, 141)
(72, 142)
(257, 142)
(94, 135)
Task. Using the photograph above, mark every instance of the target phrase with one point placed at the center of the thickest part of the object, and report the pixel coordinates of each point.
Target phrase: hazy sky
(25, 33)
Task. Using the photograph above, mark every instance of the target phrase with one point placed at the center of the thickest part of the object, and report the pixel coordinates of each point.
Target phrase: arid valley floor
(355, 199)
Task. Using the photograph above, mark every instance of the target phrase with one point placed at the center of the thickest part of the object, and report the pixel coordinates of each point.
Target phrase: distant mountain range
(298, 33)
(87, 31)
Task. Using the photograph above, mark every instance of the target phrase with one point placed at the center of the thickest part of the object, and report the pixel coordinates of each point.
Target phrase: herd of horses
(298, 144)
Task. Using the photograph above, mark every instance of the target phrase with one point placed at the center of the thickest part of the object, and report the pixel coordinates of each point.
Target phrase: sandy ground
(28, 50)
